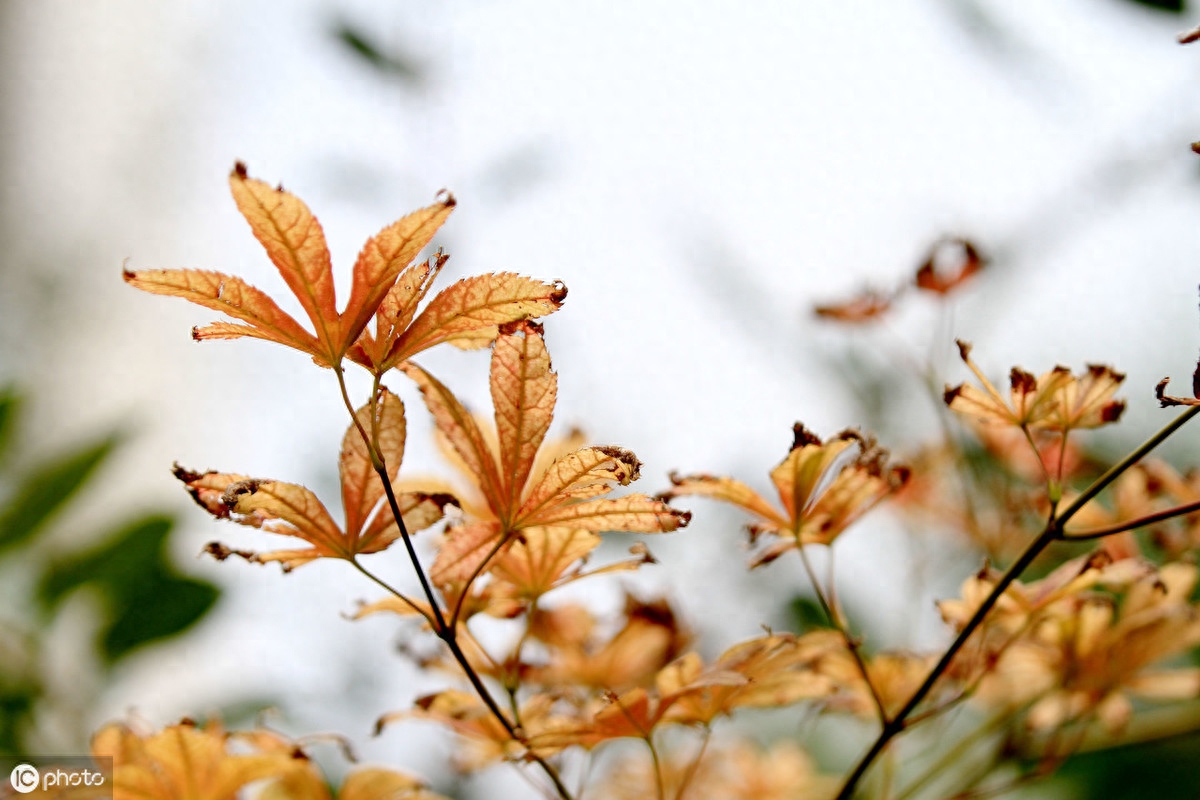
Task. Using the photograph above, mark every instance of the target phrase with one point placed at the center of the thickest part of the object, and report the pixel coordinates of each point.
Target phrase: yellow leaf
(382, 259)
(296, 246)
(728, 490)
(581, 475)
(376, 783)
(800, 473)
(535, 564)
(185, 762)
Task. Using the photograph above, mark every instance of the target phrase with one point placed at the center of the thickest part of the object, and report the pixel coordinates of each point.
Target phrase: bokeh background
(697, 174)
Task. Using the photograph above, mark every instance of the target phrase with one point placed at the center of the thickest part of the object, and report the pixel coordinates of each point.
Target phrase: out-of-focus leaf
(1174, 6)
(392, 63)
(806, 614)
(8, 412)
(1167, 769)
(145, 597)
(157, 607)
(46, 488)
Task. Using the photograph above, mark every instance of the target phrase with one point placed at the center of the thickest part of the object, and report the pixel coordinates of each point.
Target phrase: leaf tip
(239, 170)
(446, 198)
(559, 294)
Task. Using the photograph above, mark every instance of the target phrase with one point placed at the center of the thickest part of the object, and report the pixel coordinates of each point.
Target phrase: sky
(698, 175)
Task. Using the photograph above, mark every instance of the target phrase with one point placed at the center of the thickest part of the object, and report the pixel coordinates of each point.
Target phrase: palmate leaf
(819, 498)
(295, 243)
(293, 510)
(566, 496)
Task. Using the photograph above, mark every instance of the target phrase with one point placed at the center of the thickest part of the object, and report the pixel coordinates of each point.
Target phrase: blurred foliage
(126, 570)
(388, 62)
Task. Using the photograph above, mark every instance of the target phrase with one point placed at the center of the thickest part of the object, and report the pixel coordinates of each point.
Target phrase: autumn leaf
(467, 313)
(1056, 401)
(566, 495)
(186, 761)
(819, 498)
(293, 510)
(295, 243)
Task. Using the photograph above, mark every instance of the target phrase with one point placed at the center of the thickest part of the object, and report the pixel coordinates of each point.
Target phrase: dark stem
(1052, 532)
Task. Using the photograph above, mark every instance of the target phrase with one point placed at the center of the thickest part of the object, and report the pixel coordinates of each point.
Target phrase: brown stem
(441, 628)
(1131, 524)
(1052, 532)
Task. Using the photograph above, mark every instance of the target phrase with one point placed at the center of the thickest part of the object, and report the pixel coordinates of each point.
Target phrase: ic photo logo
(24, 778)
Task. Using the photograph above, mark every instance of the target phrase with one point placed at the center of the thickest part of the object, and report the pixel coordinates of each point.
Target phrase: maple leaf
(1057, 401)
(295, 243)
(294, 510)
(383, 281)
(514, 496)
(485, 739)
(818, 501)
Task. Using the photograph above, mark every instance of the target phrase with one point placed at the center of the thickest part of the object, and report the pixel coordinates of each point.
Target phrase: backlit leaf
(474, 303)
(461, 431)
(382, 259)
(361, 487)
(296, 246)
(233, 296)
(524, 391)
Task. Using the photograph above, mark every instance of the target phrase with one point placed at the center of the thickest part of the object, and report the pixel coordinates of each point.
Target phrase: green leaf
(46, 488)
(1174, 6)
(806, 614)
(145, 596)
(156, 607)
(9, 405)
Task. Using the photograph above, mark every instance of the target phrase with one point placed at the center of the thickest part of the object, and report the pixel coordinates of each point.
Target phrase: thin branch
(1131, 524)
(852, 644)
(1052, 532)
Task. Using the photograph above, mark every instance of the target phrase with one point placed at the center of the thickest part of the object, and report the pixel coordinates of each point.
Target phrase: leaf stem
(852, 644)
(1131, 524)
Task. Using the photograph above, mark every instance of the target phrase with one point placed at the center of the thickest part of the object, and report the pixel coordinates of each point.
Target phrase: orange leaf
(534, 564)
(464, 552)
(361, 487)
(382, 259)
(396, 312)
(419, 511)
(295, 243)
(232, 296)
(581, 475)
(472, 304)
(186, 761)
(297, 508)
(729, 490)
(635, 513)
(798, 476)
(461, 431)
(524, 391)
